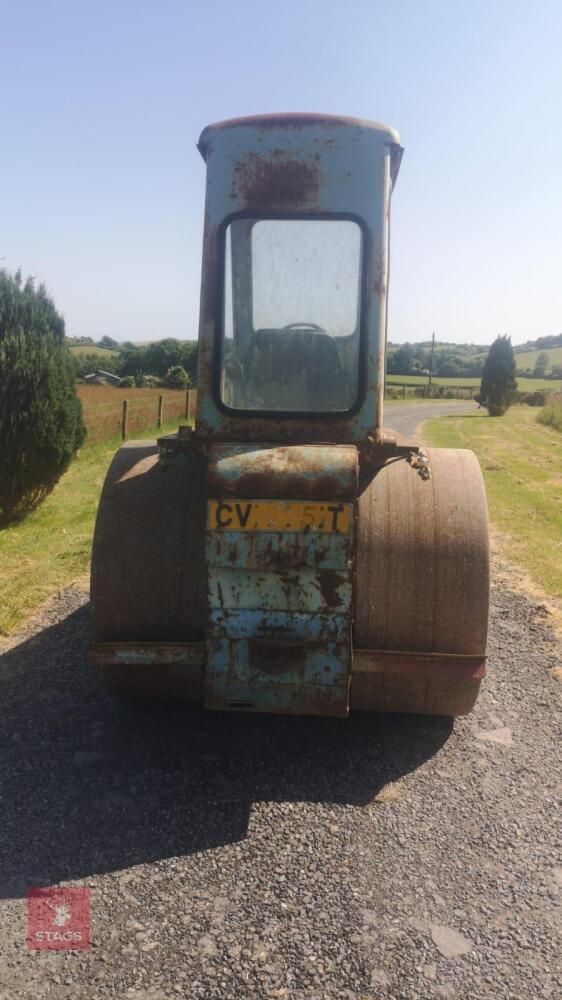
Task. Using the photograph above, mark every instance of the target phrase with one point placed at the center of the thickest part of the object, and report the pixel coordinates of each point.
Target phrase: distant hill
(527, 359)
(540, 344)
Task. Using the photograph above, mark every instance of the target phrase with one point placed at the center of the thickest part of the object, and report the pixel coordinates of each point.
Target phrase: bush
(498, 388)
(551, 415)
(127, 383)
(536, 398)
(41, 424)
(177, 378)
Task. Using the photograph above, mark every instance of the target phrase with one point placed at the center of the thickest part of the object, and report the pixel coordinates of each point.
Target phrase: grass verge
(522, 461)
(52, 546)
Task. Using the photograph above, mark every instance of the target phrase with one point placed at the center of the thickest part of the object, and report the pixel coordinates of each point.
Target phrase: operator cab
(295, 257)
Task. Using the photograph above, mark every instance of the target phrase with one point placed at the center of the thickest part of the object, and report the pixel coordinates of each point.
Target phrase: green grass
(527, 359)
(422, 380)
(52, 546)
(102, 352)
(420, 401)
(522, 464)
(524, 384)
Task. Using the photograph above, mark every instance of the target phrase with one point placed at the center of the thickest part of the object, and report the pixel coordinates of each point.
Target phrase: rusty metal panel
(381, 661)
(280, 601)
(277, 676)
(310, 472)
(302, 627)
(151, 669)
(423, 683)
(268, 550)
(300, 589)
(158, 654)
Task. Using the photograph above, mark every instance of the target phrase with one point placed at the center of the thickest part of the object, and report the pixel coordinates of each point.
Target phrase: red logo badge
(58, 918)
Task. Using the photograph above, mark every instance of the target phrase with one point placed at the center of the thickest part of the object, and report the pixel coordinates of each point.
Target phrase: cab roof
(293, 120)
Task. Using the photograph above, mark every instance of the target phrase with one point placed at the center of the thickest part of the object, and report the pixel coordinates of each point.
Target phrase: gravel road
(233, 856)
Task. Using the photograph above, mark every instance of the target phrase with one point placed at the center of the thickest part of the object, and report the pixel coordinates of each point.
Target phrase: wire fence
(111, 412)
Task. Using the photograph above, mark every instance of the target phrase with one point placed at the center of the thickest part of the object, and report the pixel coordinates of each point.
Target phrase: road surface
(403, 418)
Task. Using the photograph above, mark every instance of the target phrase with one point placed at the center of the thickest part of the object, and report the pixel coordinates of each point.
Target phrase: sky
(102, 187)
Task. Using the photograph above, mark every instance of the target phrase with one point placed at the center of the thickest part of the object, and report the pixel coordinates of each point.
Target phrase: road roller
(285, 553)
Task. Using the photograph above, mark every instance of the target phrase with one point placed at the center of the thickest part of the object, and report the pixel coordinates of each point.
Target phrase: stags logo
(58, 918)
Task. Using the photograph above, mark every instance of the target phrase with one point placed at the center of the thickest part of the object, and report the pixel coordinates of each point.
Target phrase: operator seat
(295, 368)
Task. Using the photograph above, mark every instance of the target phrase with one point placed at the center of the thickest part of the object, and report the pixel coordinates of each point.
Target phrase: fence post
(404, 391)
(124, 419)
(457, 392)
(160, 409)
(190, 402)
(187, 404)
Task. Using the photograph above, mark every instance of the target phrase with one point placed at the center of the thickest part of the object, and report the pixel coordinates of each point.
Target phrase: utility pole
(431, 362)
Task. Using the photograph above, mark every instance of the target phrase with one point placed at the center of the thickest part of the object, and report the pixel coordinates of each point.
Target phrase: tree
(449, 368)
(541, 364)
(162, 355)
(177, 378)
(109, 343)
(498, 387)
(41, 425)
(401, 361)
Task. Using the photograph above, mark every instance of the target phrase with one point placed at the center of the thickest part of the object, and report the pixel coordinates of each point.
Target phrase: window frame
(234, 411)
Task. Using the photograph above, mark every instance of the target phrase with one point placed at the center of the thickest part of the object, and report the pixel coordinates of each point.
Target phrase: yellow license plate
(279, 515)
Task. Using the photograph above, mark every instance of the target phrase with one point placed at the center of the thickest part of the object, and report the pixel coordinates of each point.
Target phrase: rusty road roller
(285, 554)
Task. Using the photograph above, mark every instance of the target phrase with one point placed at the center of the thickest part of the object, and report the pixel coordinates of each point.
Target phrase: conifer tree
(498, 387)
(41, 424)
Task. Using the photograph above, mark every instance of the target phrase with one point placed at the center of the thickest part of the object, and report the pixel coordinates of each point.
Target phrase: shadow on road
(91, 784)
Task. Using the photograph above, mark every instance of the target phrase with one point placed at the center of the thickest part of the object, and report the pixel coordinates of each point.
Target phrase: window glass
(291, 314)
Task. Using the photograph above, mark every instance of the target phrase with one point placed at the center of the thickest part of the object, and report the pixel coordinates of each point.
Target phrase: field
(103, 409)
(522, 464)
(525, 384)
(52, 546)
(527, 359)
(103, 352)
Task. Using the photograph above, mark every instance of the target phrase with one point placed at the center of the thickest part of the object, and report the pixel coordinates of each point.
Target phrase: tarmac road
(234, 856)
(403, 418)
